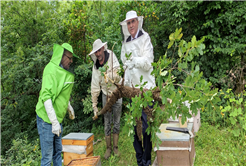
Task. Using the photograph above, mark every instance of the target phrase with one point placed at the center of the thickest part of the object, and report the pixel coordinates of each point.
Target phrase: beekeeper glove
(130, 64)
(143, 63)
(56, 128)
(95, 109)
(70, 111)
(106, 78)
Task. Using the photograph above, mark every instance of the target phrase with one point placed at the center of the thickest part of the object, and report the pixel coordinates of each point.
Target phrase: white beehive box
(176, 149)
(196, 119)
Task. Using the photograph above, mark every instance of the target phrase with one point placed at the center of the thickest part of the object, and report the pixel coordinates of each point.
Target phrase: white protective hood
(142, 56)
(125, 30)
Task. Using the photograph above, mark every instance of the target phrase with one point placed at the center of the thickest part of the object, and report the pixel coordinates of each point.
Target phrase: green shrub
(23, 153)
(236, 107)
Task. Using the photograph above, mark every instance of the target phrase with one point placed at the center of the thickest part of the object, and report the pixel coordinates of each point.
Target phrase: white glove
(56, 128)
(95, 111)
(70, 111)
(130, 64)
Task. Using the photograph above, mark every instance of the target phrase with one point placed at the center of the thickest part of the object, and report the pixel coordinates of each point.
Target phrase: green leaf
(170, 44)
(233, 121)
(171, 37)
(102, 69)
(180, 53)
(199, 49)
(128, 56)
(239, 111)
(180, 36)
(190, 57)
(164, 73)
(197, 68)
(141, 78)
(193, 41)
(159, 80)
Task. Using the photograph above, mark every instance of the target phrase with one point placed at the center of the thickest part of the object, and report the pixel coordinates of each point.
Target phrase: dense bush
(223, 24)
(23, 153)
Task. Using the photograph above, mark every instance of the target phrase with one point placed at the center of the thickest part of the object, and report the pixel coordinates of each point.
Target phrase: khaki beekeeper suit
(100, 53)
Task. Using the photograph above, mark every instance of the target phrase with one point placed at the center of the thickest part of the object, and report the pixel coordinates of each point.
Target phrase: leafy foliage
(194, 88)
(236, 107)
(23, 153)
(223, 26)
(78, 28)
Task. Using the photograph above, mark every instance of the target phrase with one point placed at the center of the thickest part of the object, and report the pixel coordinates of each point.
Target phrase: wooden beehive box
(87, 161)
(176, 148)
(81, 139)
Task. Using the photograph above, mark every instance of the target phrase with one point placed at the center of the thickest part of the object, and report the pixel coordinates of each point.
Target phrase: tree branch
(128, 92)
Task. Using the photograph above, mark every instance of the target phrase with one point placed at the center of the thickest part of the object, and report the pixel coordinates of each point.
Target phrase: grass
(213, 146)
(216, 146)
(127, 157)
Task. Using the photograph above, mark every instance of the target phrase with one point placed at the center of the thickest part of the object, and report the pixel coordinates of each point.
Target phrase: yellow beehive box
(77, 146)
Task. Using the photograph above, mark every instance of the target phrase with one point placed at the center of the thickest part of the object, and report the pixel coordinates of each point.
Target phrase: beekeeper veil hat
(98, 44)
(130, 15)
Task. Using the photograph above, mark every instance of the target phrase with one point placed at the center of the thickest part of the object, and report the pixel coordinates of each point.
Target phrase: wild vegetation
(213, 64)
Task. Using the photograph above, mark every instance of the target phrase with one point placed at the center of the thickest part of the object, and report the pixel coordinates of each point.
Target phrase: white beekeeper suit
(141, 57)
(138, 43)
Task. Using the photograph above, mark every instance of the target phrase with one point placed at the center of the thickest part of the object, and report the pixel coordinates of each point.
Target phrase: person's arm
(95, 90)
(56, 128)
(122, 55)
(49, 89)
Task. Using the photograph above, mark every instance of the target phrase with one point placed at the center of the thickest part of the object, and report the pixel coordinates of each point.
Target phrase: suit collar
(139, 33)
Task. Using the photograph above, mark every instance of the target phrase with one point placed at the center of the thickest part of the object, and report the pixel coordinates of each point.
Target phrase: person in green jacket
(53, 103)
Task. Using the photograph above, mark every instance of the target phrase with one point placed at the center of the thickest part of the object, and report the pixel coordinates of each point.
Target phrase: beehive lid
(167, 135)
(78, 136)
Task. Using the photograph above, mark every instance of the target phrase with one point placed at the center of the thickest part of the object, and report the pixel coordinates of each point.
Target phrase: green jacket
(57, 85)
